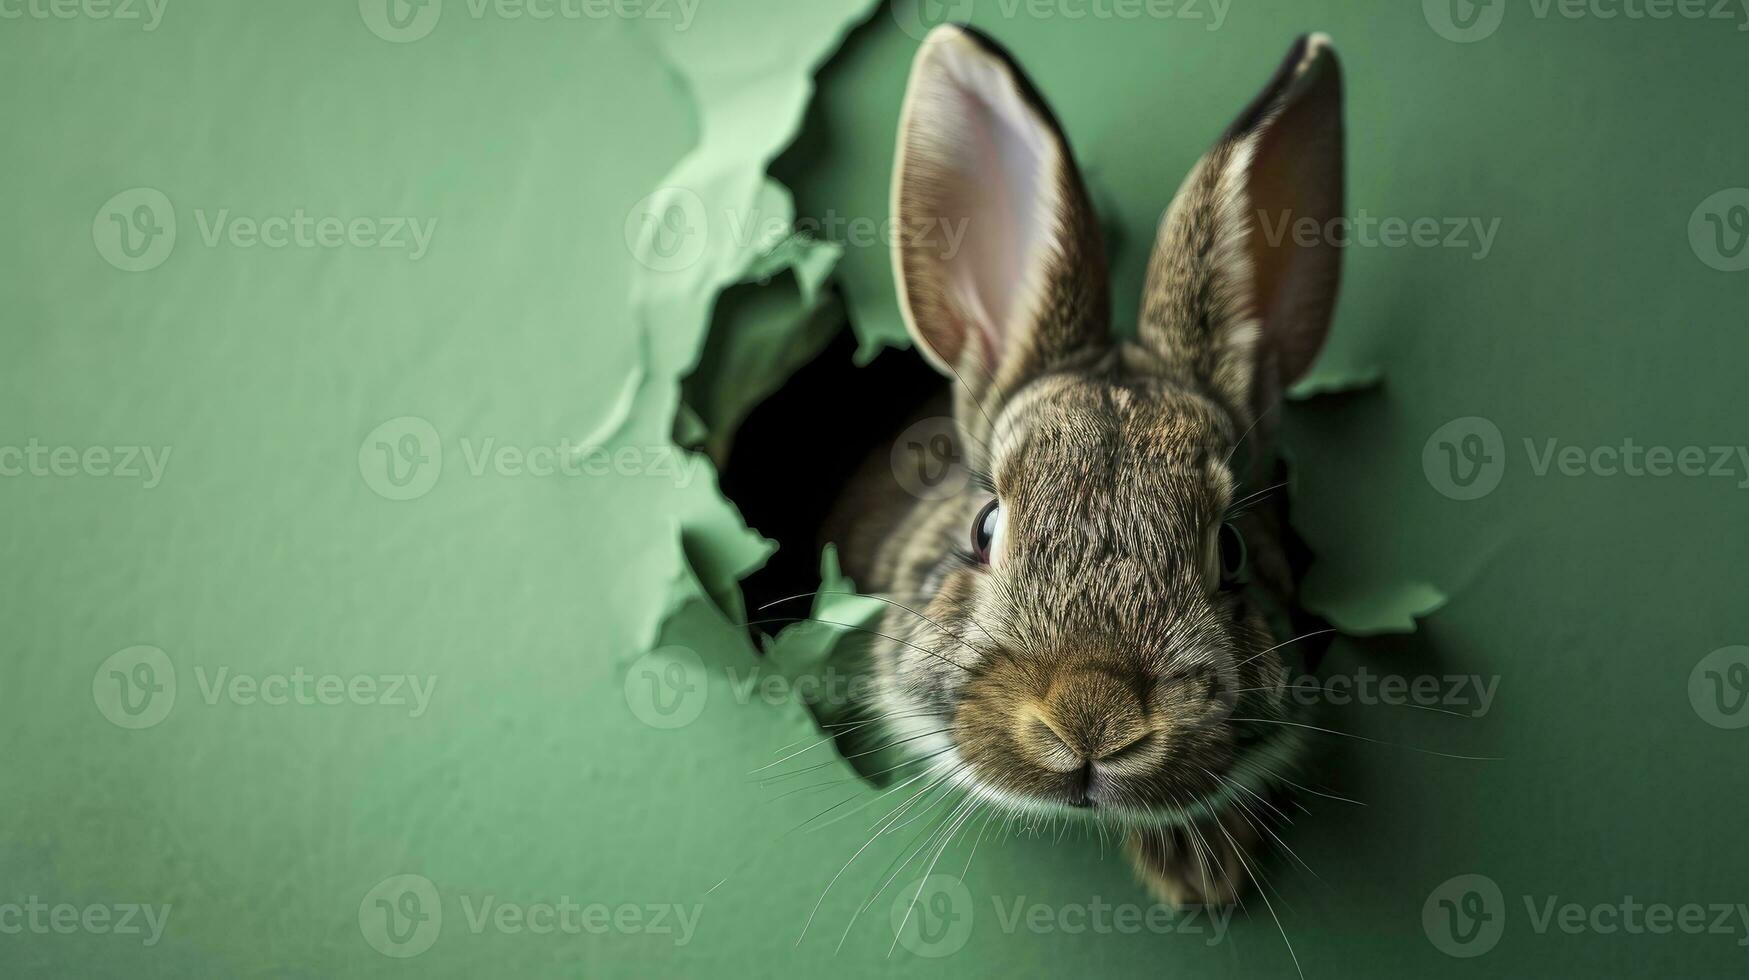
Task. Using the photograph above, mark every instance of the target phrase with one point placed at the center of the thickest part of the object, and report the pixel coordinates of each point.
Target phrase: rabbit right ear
(983, 163)
(1238, 301)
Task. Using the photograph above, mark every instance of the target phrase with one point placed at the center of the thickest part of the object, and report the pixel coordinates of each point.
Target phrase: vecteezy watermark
(402, 916)
(1718, 230)
(36, 459)
(827, 687)
(401, 459)
(1365, 230)
(935, 916)
(917, 17)
(136, 230)
(1466, 458)
(929, 461)
(405, 21)
(147, 13)
(665, 462)
(409, 691)
(1101, 918)
(1718, 688)
(486, 913)
(1467, 21)
(1467, 694)
(941, 235)
(1466, 916)
(670, 229)
(41, 918)
(137, 687)
(667, 688)
(302, 230)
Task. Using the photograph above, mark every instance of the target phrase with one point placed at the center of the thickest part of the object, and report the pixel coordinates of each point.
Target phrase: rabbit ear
(983, 163)
(1239, 298)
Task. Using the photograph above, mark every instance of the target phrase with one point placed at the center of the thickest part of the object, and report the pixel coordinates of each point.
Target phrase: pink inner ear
(1298, 170)
(990, 189)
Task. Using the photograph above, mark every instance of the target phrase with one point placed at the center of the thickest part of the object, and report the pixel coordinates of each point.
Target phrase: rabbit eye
(1235, 558)
(984, 528)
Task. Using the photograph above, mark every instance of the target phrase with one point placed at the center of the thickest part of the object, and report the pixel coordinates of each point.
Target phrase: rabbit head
(1085, 626)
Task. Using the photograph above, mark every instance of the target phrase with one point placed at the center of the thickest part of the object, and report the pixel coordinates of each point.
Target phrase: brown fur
(1095, 665)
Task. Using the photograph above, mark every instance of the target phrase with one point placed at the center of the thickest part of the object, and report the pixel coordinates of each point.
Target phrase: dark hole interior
(793, 455)
(797, 450)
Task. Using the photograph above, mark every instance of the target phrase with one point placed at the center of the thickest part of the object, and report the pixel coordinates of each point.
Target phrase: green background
(271, 545)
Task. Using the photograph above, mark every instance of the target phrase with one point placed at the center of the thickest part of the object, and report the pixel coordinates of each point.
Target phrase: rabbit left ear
(980, 154)
(1238, 299)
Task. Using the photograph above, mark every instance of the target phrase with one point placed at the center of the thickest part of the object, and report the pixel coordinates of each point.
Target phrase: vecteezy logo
(136, 687)
(928, 461)
(669, 230)
(135, 231)
(1465, 916)
(402, 916)
(401, 459)
(933, 917)
(1719, 230)
(400, 21)
(667, 687)
(1464, 21)
(1465, 458)
(918, 17)
(1718, 688)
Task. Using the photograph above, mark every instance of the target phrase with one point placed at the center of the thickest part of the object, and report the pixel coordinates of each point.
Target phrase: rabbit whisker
(856, 779)
(1263, 894)
(1262, 822)
(910, 849)
(968, 808)
(873, 716)
(1384, 704)
(829, 738)
(1278, 646)
(876, 836)
(922, 774)
(854, 755)
(878, 599)
(860, 629)
(1198, 846)
(1375, 741)
(892, 602)
(1308, 789)
(847, 728)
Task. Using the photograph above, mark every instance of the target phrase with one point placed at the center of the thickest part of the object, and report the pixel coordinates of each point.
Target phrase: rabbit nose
(1085, 717)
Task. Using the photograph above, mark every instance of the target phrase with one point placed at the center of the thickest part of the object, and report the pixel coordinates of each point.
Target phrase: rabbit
(1093, 627)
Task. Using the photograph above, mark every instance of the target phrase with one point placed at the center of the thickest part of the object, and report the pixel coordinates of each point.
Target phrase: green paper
(1359, 610)
(1328, 380)
(761, 333)
(427, 440)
